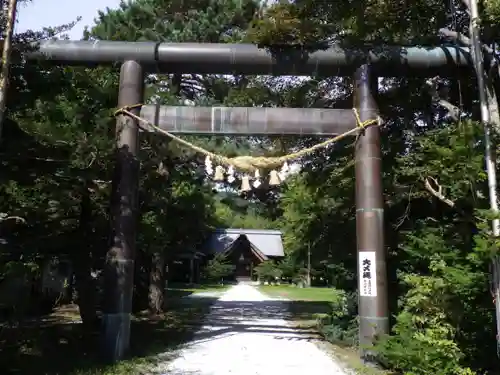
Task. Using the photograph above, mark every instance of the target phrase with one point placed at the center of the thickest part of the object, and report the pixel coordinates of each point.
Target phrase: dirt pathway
(246, 334)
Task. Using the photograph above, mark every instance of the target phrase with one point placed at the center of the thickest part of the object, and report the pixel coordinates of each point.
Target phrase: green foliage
(236, 212)
(423, 327)
(445, 274)
(312, 22)
(491, 14)
(218, 268)
(268, 271)
(176, 21)
(288, 23)
(341, 324)
(288, 267)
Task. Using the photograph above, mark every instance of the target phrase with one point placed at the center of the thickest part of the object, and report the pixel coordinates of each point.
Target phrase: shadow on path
(246, 333)
(52, 345)
(56, 345)
(271, 317)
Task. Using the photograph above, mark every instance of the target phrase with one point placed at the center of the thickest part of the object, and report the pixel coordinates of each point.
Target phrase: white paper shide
(368, 275)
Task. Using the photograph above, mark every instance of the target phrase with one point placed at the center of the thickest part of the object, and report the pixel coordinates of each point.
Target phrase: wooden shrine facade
(246, 248)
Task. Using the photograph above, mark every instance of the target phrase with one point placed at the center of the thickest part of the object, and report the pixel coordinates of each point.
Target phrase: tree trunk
(84, 283)
(157, 283)
(492, 102)
(140, 300)
(9, 11)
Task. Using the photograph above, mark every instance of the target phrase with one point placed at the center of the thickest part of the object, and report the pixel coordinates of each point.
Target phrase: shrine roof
(268, 242)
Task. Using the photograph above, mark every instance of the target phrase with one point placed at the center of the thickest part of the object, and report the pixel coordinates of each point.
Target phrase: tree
(34, 163)
(268, 271)
(218, 268)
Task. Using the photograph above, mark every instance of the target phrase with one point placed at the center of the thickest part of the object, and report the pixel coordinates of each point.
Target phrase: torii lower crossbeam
(249, 120)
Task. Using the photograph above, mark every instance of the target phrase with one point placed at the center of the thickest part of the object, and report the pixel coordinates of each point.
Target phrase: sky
(43, 13)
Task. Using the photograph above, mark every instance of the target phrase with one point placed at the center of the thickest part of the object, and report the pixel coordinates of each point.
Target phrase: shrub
(217, 268)
(423, 340)
(341, 324)
(268, 271)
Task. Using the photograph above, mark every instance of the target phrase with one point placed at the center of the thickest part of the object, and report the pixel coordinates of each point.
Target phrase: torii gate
(139, 58)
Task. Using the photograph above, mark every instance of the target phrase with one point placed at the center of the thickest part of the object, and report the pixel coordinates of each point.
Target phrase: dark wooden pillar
(372, 272)
(198, 276)
(119, 268)
(191, 270)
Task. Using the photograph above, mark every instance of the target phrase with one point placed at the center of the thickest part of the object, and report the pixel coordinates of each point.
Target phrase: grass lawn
(293, 293)
(306, 305)
(55, 344)
(177, 288)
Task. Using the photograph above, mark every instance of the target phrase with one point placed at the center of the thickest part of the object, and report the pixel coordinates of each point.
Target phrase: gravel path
(246, 334)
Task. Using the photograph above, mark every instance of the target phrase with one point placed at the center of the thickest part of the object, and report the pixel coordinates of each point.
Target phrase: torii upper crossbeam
(221, 58)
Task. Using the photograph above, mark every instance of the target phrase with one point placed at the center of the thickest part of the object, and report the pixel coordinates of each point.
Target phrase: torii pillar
(372, 271)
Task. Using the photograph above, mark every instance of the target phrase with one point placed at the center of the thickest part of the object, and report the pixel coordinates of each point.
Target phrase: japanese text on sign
(367, 274)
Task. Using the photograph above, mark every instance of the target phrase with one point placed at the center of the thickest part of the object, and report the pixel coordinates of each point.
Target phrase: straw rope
(251, 163)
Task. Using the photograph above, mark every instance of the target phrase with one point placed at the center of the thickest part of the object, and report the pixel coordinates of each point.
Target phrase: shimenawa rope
(249, 163)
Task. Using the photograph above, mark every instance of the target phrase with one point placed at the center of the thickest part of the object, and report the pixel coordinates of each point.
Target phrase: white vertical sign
(367, 274)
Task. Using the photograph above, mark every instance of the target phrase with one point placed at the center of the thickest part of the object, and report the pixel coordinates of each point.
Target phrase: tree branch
(5, 217)
(453, 110)
(437, 191)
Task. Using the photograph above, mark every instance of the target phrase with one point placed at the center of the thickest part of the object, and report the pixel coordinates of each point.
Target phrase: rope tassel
(230, 174)
(257, 182)
(219, 173)
(208, 166)
(284, 171)
(274, 179)
(245, 183)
